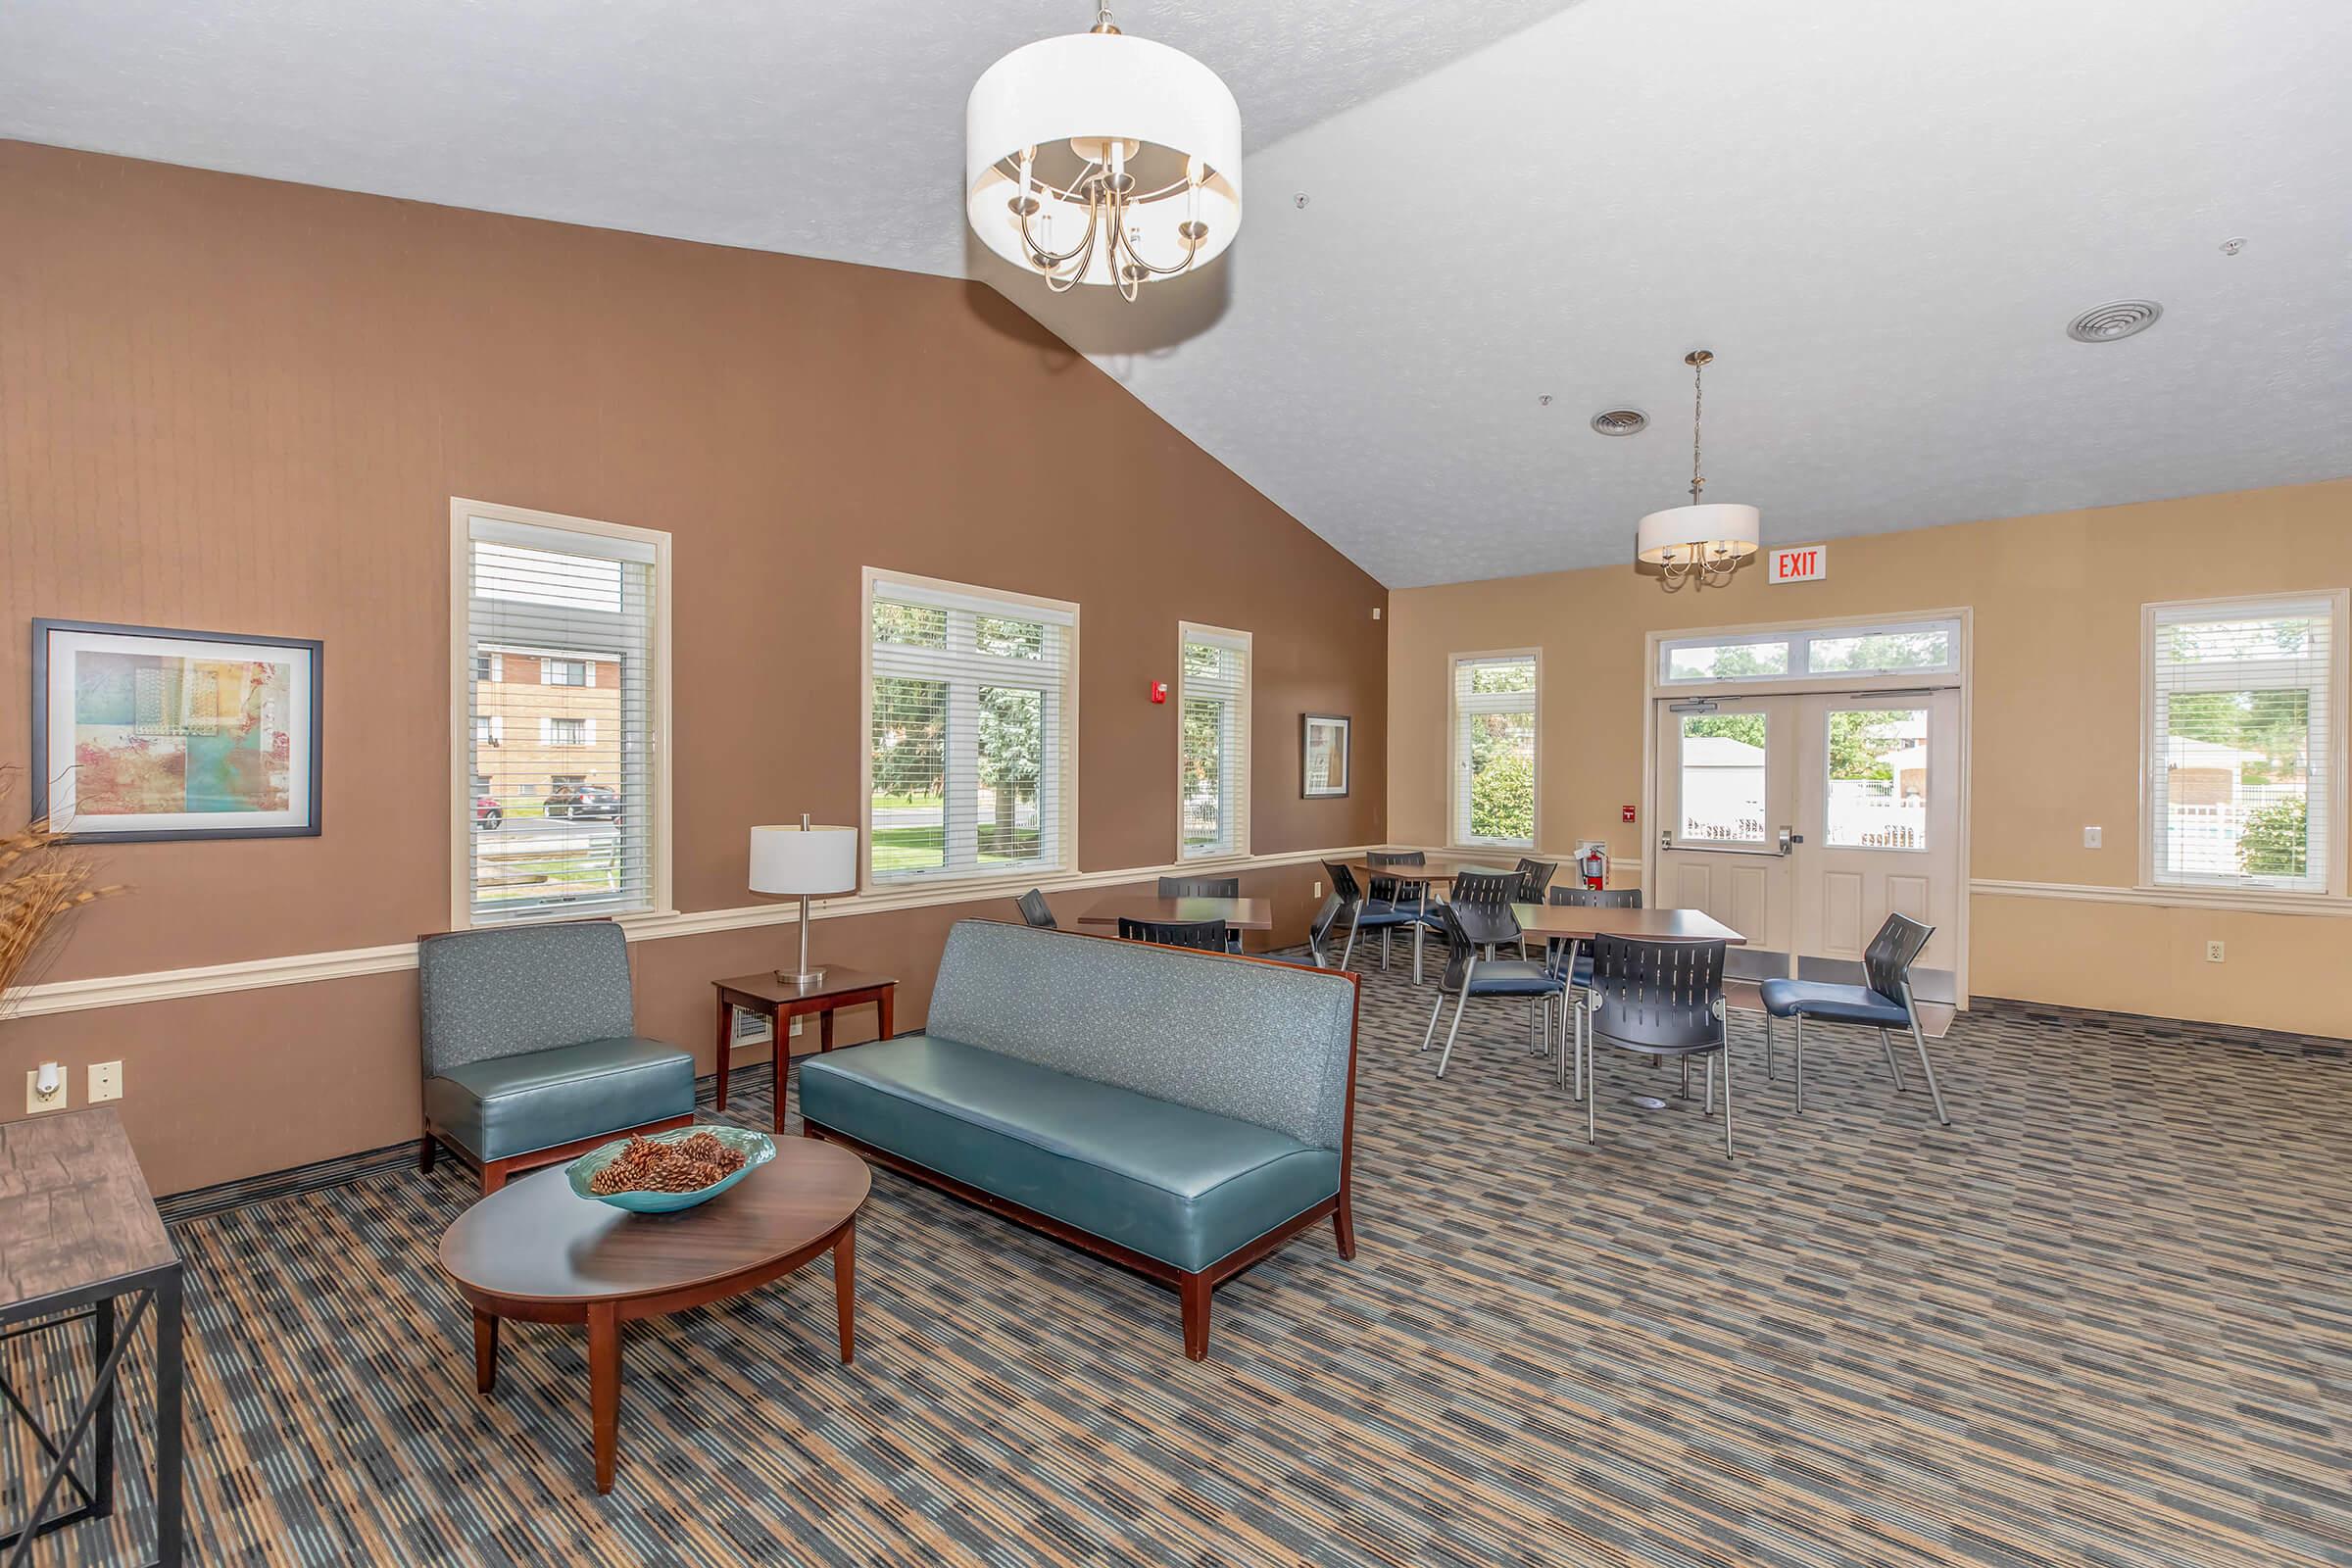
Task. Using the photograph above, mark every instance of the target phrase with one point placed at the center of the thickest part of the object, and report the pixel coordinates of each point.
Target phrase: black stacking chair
(1404, 893)
(1206, 887)
(1659, 1000)
(1365, 914)
(1534, 878)
(1468, 929)
(1882, 1000)
(1200, 887)
(1035, 911)
(1577, 965)
(1318, 930)
(1206, 935)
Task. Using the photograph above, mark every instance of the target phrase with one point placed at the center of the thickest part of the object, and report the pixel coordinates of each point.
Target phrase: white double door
(1802, 819)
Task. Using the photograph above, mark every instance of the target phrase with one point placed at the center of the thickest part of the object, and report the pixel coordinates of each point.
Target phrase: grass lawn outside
(922, 849)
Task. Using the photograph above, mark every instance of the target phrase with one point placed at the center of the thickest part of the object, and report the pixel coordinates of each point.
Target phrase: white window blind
(566, 602)
(971, 702)
(1494, 750)
(2241, 726)
(1213, 757)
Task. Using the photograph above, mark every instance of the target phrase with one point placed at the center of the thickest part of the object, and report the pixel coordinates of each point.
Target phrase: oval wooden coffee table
(537, 1250)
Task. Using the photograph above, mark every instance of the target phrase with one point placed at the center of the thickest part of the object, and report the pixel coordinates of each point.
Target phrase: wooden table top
(537, 1240)
(1443, 865)
(1240, 915)
(840, 980)
(74, 1208)
(1581, 925)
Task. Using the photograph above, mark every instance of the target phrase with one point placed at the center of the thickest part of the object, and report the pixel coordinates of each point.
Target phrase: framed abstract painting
(141, 734)
(1322, 756)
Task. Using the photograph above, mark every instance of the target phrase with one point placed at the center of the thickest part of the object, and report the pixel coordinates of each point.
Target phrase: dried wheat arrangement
(43, 880)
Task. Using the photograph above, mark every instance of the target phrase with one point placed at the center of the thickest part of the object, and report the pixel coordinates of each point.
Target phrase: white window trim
(988, 601)
(1453, 749)
(1244, 808)
(462, 511)
(1799, 637)
(2338, 881)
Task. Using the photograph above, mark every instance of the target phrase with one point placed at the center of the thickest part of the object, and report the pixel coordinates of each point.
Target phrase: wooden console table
(781, 1000)
(79, 1237)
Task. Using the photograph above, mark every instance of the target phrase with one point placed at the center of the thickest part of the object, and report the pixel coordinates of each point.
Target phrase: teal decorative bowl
(757, 1149)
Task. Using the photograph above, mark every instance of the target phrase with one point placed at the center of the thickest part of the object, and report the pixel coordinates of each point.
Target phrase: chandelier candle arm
(1133, 145)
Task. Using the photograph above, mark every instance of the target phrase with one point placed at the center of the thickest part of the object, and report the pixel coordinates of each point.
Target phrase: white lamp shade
(1716, 531)
(1100, 85)
(811, 861)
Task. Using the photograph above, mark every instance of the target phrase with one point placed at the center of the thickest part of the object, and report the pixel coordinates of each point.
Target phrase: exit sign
(1804, 563)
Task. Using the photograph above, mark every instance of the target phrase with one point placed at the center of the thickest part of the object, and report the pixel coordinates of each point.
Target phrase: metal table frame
(153, 1292)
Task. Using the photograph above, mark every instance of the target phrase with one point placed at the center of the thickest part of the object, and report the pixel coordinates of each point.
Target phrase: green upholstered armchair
(531, 1054)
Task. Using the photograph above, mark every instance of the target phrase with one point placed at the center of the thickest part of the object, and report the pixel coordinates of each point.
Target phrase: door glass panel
(1723, 777)
(1878, 778)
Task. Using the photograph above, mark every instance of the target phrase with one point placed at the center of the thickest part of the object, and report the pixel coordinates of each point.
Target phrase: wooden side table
(780, 1002)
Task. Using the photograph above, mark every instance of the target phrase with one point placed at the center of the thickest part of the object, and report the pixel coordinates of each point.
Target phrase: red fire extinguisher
(1593, 866)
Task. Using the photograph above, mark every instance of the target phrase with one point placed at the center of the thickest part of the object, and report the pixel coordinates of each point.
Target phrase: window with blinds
(2242, 742)
(1493, 791)
(561, 810)
(1212, 753)
(971, 705)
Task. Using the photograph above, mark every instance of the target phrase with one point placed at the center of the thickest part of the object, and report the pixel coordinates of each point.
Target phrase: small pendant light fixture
(1701, 543)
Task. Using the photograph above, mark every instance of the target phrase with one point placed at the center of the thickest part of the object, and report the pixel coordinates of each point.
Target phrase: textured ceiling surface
(1879, 216)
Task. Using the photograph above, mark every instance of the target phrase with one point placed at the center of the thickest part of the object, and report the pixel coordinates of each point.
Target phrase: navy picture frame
(316, 651)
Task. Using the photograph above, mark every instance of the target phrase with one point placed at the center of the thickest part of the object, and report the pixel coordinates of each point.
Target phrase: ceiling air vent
(2104, 323)
(1621, 421)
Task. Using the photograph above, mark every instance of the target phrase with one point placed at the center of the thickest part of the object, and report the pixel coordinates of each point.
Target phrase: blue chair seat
(1373, 913)
(1174, 1183)
(1818, 998)
(1514, 977)
(509, 1106)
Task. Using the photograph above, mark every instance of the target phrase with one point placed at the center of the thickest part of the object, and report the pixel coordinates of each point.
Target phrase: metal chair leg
(1928, 1067)
(1710, 1086)
(1420, 931)
(1770, 1070)
(1447, 1056)
(1685, 1078)
(1800, 1064)
(1589, 1070)
(1728, 1153)
(1430, 1033)
(1887, 1044)
(1385, 933)
(1350, 950)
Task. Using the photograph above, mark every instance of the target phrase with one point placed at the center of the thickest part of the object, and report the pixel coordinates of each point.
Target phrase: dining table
(1238, 914)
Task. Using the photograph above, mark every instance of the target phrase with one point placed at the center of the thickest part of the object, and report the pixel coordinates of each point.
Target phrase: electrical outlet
(2090, 838)
(59, 1097)
(106, 1081)
(2213, 953)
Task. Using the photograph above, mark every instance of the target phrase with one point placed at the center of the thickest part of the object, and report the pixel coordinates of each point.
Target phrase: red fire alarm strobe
(1625, 813)
(1160, 691)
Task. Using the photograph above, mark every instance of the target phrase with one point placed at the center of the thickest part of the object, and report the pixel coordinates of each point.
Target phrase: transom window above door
(1813, 652)
(972, 708)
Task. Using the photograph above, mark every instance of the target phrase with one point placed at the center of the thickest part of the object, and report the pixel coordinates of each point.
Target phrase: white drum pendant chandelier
(1700, 543)
(1098, 158)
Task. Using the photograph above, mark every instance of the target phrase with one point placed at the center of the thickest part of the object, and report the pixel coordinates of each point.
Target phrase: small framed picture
(1322, 756)
(142, 734)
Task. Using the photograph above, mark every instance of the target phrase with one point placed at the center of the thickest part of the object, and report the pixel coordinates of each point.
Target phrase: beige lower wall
(2054, 736)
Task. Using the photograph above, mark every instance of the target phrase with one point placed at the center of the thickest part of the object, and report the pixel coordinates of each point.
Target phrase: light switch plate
(2090, 838)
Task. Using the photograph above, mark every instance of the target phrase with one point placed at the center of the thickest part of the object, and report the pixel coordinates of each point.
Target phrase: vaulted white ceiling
(1879, 216)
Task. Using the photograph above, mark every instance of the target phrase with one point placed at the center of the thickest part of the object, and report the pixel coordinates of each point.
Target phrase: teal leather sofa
(531, 1054)
(1181, 1112)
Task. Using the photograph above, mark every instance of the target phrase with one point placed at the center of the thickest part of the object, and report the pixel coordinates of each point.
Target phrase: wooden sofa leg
(1194, 1289)
(1343, 1227)
(425, 1149)
(494, 1176)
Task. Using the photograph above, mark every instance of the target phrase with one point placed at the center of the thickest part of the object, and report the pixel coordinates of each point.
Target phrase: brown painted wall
(233, 403)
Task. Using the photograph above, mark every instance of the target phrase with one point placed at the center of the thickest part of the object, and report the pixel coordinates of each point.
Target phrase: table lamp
(808, 861)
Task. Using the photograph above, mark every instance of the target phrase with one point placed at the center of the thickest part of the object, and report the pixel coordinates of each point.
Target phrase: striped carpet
(2103, 1320)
